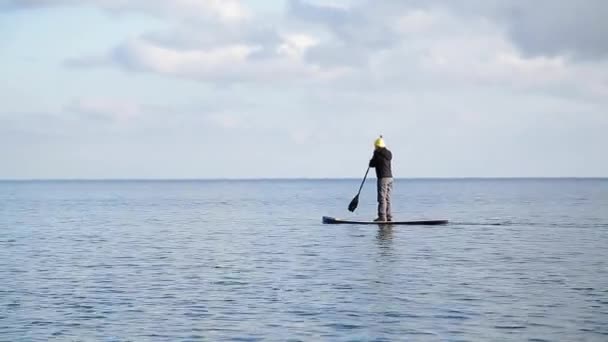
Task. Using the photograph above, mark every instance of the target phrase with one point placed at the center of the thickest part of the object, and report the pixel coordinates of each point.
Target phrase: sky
(104, 89)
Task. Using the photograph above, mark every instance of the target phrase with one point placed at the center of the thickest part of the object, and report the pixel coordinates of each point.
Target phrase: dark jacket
(382, 162)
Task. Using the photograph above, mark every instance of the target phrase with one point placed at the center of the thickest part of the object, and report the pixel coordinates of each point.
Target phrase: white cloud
(239, 62)
(140, 54)
(227, 11)
(295, 45)
(365, 43)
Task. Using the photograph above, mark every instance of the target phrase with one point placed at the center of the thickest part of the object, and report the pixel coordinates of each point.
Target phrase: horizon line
(296, 178)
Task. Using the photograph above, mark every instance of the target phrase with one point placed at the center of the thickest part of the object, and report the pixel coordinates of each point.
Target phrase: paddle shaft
(361, 187)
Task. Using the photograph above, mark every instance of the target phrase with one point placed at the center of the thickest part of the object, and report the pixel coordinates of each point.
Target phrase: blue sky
(296, 88)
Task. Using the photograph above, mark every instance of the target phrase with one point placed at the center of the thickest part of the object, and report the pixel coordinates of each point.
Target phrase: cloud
(346, 36)
(537, 28)
(552, 28)
(227, 11)
(185, 36)
(540, 28)
(239, 62)
(364, 45)
(143, 55)
(333, 16)
(435, 44)
(369, 43)
(354, 34)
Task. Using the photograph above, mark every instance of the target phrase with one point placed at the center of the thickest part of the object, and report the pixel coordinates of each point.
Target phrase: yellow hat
(379, 142)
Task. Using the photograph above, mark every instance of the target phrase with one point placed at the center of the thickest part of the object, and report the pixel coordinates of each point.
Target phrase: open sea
(521, 260)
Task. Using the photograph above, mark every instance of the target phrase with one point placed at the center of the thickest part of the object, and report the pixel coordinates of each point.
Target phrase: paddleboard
(333, 220)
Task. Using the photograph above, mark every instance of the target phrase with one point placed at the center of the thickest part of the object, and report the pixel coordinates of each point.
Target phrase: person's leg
(381, 200)
(389, 192)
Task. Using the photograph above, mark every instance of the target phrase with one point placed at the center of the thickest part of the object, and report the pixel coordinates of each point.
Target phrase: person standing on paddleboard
(381, 161)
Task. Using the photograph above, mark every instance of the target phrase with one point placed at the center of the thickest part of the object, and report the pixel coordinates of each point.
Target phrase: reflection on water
(384, 235)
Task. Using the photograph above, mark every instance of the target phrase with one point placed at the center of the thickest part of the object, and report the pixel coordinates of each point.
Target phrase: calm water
(250, 260)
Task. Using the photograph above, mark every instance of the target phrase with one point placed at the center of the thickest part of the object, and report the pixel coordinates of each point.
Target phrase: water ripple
(249, 261)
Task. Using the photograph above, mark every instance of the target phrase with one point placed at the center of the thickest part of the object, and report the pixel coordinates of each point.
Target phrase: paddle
(355, 202)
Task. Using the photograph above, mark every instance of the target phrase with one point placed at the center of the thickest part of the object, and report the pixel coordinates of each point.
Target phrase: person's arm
(374, 160)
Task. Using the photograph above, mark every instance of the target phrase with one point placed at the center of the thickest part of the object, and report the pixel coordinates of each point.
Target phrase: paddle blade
(353, 204)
